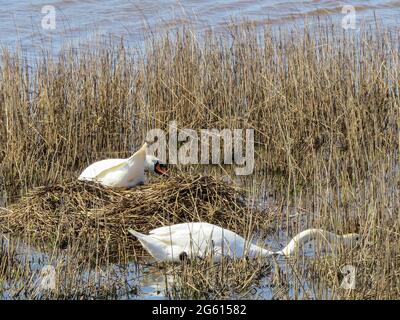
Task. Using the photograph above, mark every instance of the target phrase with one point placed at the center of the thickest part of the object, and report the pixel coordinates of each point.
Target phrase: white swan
(123, 172)
(198, 239)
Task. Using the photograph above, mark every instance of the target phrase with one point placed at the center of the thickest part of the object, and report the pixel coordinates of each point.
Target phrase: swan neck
(305, 236)
(256, 251)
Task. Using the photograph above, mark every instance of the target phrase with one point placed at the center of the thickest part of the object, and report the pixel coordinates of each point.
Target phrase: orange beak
(160, 170)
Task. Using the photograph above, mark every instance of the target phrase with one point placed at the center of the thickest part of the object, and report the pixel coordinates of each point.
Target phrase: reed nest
(80, 213)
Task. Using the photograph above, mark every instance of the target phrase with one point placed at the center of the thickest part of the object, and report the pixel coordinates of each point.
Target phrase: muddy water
(21, 21)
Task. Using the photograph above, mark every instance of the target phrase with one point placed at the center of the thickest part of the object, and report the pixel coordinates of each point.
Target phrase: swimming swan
(123, 172)
(197, 239)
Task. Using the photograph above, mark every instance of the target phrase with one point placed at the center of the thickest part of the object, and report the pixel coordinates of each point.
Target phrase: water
(77, 21)
(129, 281)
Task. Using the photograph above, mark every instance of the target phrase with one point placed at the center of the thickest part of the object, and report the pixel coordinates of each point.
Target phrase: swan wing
(197, 239)
(138, 157)
(104, 172)
(95, 168)
(169, 230)
(188, 227)
(159, 250)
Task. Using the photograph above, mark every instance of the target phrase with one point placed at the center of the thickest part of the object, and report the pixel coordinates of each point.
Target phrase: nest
(82, 213)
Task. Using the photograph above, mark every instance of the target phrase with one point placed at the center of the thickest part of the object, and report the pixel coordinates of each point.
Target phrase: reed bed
(203, 279)
(320, 101)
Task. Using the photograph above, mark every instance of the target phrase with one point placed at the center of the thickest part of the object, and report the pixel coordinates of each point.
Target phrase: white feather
(120, 172)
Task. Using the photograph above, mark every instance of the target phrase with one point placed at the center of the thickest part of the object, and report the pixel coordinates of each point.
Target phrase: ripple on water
(77, 20)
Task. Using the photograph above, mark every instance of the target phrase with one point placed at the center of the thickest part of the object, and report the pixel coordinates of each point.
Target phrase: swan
(197, 239)
(125, 173)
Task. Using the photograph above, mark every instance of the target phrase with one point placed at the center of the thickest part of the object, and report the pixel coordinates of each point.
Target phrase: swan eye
(162, 165)
(183, 256)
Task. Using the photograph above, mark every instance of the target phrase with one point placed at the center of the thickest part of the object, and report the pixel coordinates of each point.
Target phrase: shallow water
(75, 21)
(132, 281)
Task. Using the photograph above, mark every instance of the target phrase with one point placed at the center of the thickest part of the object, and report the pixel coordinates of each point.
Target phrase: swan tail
(136, 234)
(156, 248)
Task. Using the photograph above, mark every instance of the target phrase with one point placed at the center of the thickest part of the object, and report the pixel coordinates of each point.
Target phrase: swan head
(153, 164)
